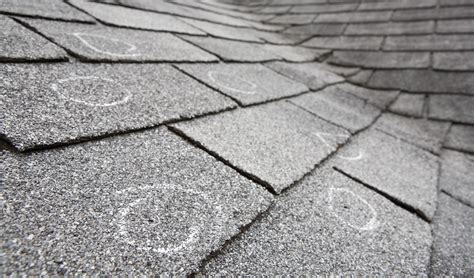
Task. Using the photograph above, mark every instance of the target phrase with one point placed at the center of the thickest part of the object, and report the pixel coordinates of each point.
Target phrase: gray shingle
(135, 205)
(313, 75)
(57, 103)
(430, 42)
(346, 42)
(323, 8)
(218, 10)
(54, 9)
(223, 31)
(455, 2)
(183, 11)
(281, 38)
(246, 83)
(400, 170)
(292, 19)
(378, 98)
(99, 43)
(329, 225)
(397, 4)
(451, 108)
(424, 81)
(454, 60)
(453, 247)
(432, 14)
(317, 29)
(457, 176)
(342, 71)
(17, 43)
(350, 17)
(272, 9)
(296, 53)
(409, 104)
(233, 50)
(276, 143)
(378, 59)
(461, 137)
(125, 17)
(424, 133)
(391, 28)
(360, 77)
(455, 26)
(336, 106)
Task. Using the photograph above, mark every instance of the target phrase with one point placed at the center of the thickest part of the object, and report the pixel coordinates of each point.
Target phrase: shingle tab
(400, 170)
(223, 31)
(88, 209)
(296, 53)
(409, 104)
(246, 83)
(350, 17)
(461, 137)
(463, 61)
(424, 81)
(125, 17)
(336, 106)
(313, 75)
(234, 50)
(17, 43)
(378, 59)
(457, 175)
(430, 42)
(293, 19)
(451, 108)
(378, 98)
(346, 42)
(453, 247)
(323, 8)
(329, 225)
(432, 14)
(391, 28)
(99, 43)
(277, 143)
(58, 103)
(317, 29)
(424, 133)
(397, 4)
(455, 26)
(183, 11)
(54, 9)
(455, 2)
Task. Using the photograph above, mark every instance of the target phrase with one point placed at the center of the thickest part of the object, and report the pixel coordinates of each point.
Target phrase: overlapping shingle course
(145, 201)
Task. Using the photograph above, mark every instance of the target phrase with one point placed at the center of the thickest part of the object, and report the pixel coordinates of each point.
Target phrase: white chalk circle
(164, 219)
(372, 224)
(98, 43)
(323, 135)
(232, 83)
(92, 91)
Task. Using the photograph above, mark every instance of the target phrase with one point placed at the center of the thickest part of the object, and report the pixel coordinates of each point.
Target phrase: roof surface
(226, 137)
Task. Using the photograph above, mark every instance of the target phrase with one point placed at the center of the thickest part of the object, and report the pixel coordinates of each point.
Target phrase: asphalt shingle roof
(237, 137)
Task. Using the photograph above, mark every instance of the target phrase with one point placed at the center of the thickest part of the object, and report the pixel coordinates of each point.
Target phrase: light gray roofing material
(246, 83)
(399, 170)
(20, 44)
(107, 44)
(329, 224)
(141, 204)
(59, 103)
(277, 143)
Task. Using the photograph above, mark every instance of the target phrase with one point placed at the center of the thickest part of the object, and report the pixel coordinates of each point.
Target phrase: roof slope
(227, 137)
